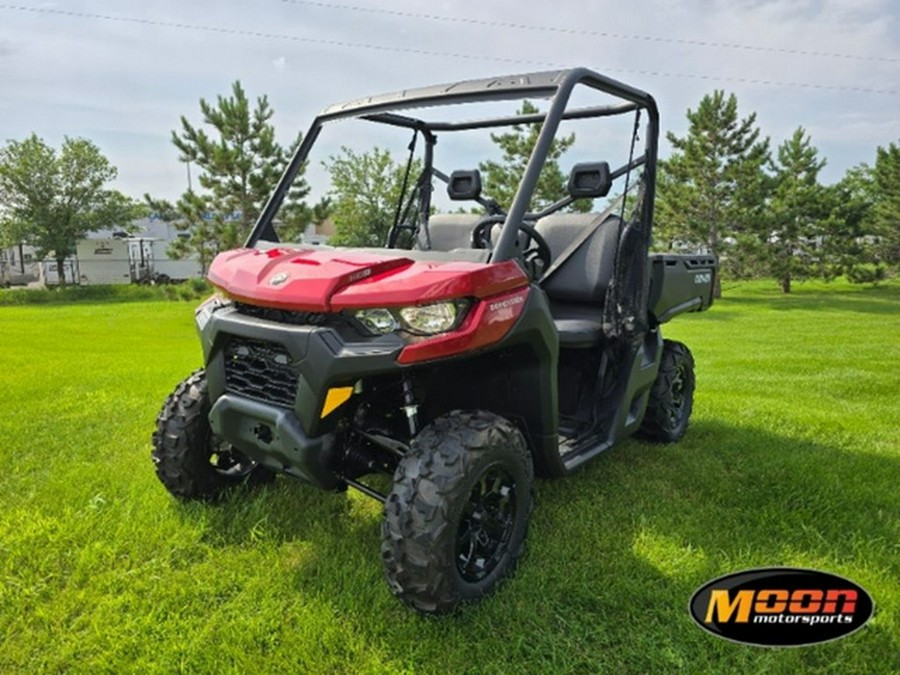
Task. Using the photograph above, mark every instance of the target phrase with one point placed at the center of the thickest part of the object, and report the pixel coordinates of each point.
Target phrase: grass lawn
(792, 458)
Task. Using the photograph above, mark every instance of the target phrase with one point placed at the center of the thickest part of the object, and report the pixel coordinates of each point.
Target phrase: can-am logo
(781, 607)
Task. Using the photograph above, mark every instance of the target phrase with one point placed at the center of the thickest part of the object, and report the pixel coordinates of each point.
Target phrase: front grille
(261, 371)
(282, 315)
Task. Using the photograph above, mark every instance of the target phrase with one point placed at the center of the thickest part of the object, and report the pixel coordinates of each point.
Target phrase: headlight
(378, 321)
(430, 319)
(422, 320)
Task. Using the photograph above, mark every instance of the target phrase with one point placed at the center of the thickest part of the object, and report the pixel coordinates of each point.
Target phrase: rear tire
(456, 519)
(190, 460)
(672, 396)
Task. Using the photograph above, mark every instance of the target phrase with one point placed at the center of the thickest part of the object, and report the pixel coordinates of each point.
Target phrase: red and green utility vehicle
(486, 343)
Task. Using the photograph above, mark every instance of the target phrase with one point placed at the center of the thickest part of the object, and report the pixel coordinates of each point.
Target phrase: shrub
(193, 289)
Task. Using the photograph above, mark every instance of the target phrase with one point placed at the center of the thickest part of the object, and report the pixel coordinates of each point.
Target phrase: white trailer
(167, 268)
(49, 272)
(104, 261)
(120, 260)
(18, 265)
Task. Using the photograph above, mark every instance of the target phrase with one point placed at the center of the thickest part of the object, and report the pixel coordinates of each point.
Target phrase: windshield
(407, 179)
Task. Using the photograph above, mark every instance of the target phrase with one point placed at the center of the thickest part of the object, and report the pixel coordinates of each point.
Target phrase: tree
(712, 188)
(239, 164)
(199, 235)
(365, 190)
(886, 207)
(847, 245)
(797, 209)
(501, 179)
(50, 200)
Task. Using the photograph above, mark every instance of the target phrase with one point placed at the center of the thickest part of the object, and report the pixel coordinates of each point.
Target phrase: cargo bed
(680, 283)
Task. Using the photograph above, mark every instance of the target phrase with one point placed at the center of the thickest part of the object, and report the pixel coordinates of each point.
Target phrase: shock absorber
(409, 406)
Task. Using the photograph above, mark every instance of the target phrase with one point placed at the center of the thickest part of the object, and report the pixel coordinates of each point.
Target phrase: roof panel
(540, 84)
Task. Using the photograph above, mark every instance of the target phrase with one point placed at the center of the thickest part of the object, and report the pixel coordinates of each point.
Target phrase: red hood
(326, 280)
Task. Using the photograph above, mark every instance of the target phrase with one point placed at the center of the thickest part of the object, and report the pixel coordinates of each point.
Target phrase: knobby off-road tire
(455, 522)
(672, 395)
(190, 460)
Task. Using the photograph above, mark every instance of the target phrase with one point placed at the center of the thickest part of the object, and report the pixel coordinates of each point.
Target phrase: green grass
(793, 458)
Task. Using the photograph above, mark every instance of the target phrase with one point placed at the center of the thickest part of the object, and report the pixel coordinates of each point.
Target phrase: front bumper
(273, 437)
(276, 417)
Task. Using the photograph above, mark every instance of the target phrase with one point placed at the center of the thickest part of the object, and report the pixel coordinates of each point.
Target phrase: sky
(123, 73)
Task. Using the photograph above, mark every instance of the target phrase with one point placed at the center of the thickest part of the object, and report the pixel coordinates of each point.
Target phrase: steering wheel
(481, 233)
(535, 254)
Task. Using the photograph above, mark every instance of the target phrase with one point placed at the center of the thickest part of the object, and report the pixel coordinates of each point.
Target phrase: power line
(426, 52)
(590, 33)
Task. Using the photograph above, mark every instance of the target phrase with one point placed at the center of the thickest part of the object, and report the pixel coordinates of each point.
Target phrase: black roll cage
(555, 85)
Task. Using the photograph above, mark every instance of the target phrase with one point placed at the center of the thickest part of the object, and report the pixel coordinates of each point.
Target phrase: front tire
(672, 396)
(455, 522)
(190, 460)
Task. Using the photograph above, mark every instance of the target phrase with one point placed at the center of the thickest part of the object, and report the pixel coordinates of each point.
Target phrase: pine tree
(712, 188)
(198, 236)
(797, 211)
(239, 164)
(886, 207)
(847, 244)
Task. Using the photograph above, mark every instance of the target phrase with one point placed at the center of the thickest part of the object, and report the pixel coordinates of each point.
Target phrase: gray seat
(577, 287)
(448, 231)
(453, 231)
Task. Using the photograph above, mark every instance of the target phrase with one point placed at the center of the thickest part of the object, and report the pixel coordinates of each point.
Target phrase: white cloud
(126, 84)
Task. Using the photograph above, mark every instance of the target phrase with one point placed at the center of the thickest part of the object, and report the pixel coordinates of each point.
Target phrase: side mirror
(590, 179)
(465, 185)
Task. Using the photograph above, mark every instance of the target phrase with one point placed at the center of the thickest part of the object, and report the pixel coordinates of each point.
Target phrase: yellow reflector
(336, 397)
